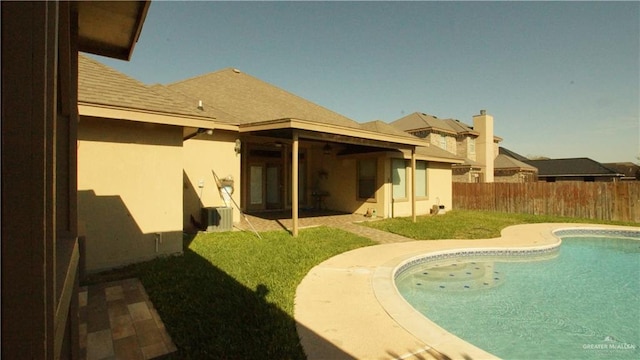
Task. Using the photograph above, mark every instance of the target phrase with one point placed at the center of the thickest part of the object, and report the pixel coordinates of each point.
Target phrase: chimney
(485, 154)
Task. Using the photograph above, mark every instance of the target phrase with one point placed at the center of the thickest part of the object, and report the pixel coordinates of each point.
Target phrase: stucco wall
(201, 155)
(438, 191)
(129, 191)
(342, 184)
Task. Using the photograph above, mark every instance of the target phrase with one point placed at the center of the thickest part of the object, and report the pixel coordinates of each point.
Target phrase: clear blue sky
(561, 79)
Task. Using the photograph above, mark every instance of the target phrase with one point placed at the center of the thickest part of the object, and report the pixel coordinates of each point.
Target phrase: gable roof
(382, 127)
(504, 162)
(509, 153)
(421, 121)
(460, 127)
(252, 100)
(573, 167)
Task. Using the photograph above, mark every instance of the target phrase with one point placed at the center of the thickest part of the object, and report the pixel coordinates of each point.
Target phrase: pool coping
(348, 306)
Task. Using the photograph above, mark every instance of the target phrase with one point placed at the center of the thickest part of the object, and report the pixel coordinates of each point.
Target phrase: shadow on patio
(281, 220)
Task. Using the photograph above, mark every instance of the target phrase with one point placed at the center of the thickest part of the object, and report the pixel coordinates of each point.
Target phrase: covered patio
(295, 165)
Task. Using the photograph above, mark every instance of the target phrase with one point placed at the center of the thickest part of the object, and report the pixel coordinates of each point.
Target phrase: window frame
(426, 180)
(406, 191)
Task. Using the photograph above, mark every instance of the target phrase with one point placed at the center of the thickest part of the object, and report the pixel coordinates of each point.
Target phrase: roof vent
(236, 71)
(483, 112)
(200, 106)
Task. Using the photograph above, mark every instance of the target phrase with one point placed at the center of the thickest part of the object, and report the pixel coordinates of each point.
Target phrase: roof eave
(299, 124)
(110, 28)
(139, 115)
(578, 175)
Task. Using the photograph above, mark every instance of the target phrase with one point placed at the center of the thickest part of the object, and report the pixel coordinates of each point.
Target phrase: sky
(561, 79)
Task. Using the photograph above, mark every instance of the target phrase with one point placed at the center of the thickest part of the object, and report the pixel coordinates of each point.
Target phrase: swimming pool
(580, 301)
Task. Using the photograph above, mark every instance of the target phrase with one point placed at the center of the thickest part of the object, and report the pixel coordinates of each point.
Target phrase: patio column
(413, 184)
(294, 184)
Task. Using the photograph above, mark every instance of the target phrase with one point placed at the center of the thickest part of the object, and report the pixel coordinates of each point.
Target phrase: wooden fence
(591, 200)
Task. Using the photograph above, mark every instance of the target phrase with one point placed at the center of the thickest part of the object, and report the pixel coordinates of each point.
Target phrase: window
(443, 142)
(399, 178)
(472, 145)
(421, 178)
(367, 179)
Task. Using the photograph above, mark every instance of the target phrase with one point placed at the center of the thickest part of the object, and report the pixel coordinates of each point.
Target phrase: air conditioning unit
(217, 219)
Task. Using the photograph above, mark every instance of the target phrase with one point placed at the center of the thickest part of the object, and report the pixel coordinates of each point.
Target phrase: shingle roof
(629, 169)
(436, 152)
(420, 121)
(570, 167)
(218, 114)
(459, 127)
(503, 161)
(252, 100)
(509, 153)
(101, 85)
(384, 128)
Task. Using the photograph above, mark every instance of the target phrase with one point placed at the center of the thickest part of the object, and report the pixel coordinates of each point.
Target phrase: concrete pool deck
(347, 307)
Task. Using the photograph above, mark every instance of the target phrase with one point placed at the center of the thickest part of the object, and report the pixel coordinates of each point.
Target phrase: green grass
(231, 295)
(460, 224)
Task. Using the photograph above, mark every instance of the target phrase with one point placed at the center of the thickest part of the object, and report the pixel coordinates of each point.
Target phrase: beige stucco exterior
(129, 191)
(438, 191)
(342, 180)
(201, 156)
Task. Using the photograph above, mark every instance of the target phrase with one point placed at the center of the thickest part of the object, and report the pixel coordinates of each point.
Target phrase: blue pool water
(581, 303)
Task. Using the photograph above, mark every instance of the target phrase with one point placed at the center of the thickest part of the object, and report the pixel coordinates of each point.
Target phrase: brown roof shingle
(422, 121)
(384, 128)
(252, 100)
(99, 84)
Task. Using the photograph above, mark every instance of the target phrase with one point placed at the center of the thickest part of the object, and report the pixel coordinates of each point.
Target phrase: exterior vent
(217, 219)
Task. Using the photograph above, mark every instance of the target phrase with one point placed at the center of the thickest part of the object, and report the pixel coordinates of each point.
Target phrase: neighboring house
(629, 170)
(574, 169)
(477, 145)
(510, 170)
(147, 154)
(40, 251)
(512, 167)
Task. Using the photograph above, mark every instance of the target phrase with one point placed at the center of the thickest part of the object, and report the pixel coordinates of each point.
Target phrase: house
(130, 165)
(629, 170)
(40, 252)
(573, 169)
(476, 144)
(148, 158)
(351, 163)
(512, 167)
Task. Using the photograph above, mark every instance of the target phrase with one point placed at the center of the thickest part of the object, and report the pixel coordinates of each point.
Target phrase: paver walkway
(118, 321)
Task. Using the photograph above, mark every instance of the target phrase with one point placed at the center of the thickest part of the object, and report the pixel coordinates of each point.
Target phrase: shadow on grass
(210, 315)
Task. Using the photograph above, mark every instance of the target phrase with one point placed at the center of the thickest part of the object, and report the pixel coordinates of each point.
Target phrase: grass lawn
(460, 224)
(231, 295)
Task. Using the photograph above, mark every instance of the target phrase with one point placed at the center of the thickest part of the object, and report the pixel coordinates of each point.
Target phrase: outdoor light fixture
(326, 149)
(238, 146)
